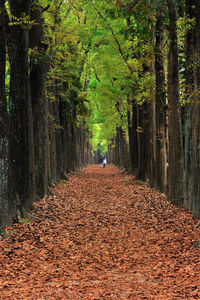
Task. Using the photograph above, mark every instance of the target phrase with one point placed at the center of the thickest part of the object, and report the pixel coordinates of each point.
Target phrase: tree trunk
(39, 102)
(53, 120)
(161, 178)
(196, 160)
(175, 186)
(196, 123)
(22, 149)
(60, 139)
(132, 133)
(68, 147)
(189, 82)
(152, 126)
(151, 149)
(142, 141)
(134, 137)
(7, 209)
(73, 148)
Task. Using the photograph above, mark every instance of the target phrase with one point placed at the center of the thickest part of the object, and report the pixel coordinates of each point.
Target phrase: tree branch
(115, 38)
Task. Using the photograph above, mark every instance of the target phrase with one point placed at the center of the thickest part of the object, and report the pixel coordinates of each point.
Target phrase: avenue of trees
(163, 117)
(42, 132)
(117, 76)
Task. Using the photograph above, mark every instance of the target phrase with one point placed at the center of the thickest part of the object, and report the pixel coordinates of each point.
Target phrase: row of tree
(163, 131)
(42, 134)
(143, 90)
(119, 76)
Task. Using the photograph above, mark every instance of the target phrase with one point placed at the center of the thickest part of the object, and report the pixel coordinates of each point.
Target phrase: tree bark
(196, 122)
(175, 177)
(188, 109)
(143, 141)
(130, 135)
(38, 70)
(22, 149)
(7, 208)
(161, 178)
(135, 139)
(53, 123)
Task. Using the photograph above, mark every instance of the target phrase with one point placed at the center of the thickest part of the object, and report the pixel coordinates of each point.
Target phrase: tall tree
(196, 121)
(189, 89)
(38, 69)
(22, 150)
(132, 133)
(175, 176)
(160, 94)
(5, 208)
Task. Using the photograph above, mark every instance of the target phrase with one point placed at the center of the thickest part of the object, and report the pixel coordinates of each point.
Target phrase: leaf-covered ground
(103, 235)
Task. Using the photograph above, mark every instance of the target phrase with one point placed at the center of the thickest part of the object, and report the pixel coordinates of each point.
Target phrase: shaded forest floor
(103, 235)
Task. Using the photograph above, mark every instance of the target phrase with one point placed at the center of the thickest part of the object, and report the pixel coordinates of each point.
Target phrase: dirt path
(102, 236)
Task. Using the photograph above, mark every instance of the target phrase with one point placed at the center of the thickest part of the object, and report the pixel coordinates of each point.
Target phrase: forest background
(84, 78)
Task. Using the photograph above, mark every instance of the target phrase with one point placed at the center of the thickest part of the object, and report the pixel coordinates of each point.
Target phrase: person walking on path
(104, 162)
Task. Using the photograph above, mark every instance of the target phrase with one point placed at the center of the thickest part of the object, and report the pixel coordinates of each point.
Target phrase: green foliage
(112, 82)
(24, 21)
(12, 231)
(24, 221)
(96, 52)
(63, 181)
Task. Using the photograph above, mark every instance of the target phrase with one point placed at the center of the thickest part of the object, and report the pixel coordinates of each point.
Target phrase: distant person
(101, 161)
(104, 162)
